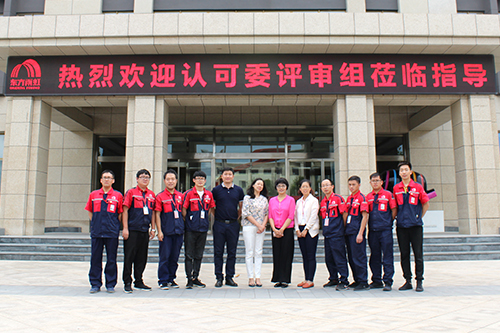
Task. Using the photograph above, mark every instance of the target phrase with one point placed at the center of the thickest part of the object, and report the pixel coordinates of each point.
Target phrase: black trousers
(194, 245)
(225, 234)
(308, 246)
(413, 236)
(283, 256)
(135, 249)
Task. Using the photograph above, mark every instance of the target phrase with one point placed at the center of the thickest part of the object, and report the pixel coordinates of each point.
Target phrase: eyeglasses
(145, 178)
(107, 178)
(199, 178)
(281, 186)
(375, 180)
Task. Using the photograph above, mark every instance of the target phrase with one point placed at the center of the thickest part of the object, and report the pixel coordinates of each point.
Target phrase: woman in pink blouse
(281, 214)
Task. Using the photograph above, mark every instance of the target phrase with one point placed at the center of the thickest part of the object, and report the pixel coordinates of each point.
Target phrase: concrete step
(77, 248)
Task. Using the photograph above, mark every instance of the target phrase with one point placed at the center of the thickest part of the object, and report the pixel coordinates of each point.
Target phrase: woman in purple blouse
(281, 214)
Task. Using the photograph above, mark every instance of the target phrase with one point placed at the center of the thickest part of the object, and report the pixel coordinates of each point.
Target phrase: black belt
(227, 221)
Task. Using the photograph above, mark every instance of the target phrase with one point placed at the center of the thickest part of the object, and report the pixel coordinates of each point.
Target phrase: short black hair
(304, 181)
(375, 175)
(281, 181)
(172, 171)
(331, 183)
(108, 171)
(404, 163)
(142, 172)
(199, 173)
(250, 190)
(355, 178)
(227, 169)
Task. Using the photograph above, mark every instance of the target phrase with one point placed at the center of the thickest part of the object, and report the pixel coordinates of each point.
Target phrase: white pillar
(355, 6)
(24, 171)
(354, 130)
(147, 139)
(475, 141)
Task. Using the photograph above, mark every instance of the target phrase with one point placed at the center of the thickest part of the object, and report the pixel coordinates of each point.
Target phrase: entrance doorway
(253, 152)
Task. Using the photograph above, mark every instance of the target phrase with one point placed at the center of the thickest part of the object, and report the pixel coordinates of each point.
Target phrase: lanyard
(350, 206)
(201, 203)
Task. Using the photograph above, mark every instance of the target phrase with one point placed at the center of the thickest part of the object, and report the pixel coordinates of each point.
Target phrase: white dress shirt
(306, 213)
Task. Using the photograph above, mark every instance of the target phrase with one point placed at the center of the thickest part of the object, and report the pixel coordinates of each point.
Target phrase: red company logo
(31, 81)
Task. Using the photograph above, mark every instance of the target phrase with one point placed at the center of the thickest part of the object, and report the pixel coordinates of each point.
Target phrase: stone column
(24, 174)
(354, 135)
(147, 139)
(475, 142)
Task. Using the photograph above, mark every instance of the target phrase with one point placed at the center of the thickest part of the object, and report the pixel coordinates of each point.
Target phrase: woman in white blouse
(307, 229)
(254, 218)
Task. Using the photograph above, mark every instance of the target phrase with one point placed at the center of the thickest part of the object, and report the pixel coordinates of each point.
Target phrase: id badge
(176, 214)
(413, 200)
(145, 210)
(112, 208)
(349, 219)
(327, 222)
(382, 207)
(202, 214)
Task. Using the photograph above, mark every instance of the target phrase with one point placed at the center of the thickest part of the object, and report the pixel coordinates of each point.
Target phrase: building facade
(56, 144)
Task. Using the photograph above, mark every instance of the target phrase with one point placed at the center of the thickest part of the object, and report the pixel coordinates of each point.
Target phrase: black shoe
(218, 284)
(128, 289)
(284, 285)
(342, 286)
(164, 286)
(387, 287)
(376, 285)
(277, 285)
(189, 284)
(230, 282)
(198, 283)
(331, 283)
(406, 286)
(419, 287)
(354, 284)
(362, 286)
(173, 285)
(143, 287)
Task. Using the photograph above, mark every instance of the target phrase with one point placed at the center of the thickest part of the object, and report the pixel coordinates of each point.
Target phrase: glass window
(390, 145)
(111, 146)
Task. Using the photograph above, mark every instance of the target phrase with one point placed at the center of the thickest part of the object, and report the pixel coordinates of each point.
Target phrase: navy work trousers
(111, 270)
(169, 251)
(308, 246)
(335, 257)
(382, 253)
(357, 258)
(225, 233)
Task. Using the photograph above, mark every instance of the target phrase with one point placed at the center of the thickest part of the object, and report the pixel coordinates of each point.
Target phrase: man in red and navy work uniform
(138, 216)
(105, 213)
(356, 219)
(198, 204)
(332, 209)
(413, 203)
(383, 209)
(170, 228)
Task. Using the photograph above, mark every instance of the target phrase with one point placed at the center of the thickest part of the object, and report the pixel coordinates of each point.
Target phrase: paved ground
(460, 296)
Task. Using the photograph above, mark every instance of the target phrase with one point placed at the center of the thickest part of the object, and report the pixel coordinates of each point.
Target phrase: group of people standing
(176, 218)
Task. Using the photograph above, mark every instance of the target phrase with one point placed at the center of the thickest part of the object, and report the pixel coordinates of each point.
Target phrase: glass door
(246, 170)
(186, 169)
(314, 170)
